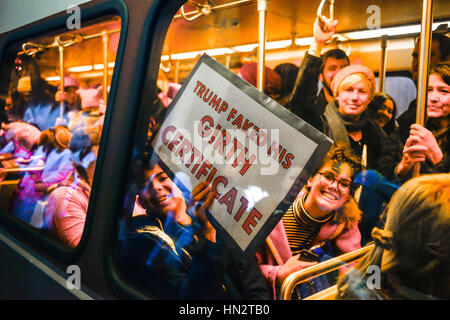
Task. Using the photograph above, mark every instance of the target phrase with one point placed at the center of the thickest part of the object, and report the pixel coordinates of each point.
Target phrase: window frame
(49, 25)
(154, 32)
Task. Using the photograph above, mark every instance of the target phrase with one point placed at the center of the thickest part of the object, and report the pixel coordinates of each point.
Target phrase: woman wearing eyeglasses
(324, 210)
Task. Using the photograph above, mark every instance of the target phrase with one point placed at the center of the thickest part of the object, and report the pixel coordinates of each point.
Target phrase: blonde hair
(355, 78)
(418, 215)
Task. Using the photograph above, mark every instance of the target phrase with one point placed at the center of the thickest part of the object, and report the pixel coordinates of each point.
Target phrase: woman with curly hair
(323, 211)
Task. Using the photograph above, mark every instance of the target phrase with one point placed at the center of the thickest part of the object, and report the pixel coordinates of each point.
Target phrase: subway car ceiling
(289, 31)
(289, 28)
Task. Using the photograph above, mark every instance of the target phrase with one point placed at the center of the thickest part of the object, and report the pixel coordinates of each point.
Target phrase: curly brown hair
(339, 153)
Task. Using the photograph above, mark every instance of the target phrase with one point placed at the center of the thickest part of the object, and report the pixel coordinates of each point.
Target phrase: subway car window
(52, 124)
(165, 242)
(249, 175)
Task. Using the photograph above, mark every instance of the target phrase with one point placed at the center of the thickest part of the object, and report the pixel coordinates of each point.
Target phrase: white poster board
(255, 153)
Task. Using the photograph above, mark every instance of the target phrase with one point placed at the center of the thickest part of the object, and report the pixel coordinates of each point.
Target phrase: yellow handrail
(319, 269)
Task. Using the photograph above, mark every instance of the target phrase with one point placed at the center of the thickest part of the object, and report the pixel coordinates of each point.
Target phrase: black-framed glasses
(344, 185)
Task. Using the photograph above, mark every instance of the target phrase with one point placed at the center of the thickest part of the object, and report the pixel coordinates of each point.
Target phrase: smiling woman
(428, 144)
(345, 119)
(324, 210)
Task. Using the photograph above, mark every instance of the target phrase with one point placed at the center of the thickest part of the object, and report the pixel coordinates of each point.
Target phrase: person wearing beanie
(53, 150)
(345, 119)
(91, 99)
(70, 94)
(317, 66)
(288, 73)
(272, 84)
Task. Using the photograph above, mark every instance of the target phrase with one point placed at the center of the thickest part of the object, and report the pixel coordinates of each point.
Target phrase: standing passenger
(48, 115)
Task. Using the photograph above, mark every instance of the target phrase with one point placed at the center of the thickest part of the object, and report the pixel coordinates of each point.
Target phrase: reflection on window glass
(51, 126)
(168, 246)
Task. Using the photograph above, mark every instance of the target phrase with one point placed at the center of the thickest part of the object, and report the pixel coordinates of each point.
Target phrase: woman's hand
(412, 153)
(424, 137)
(291, 265)
(203, 198)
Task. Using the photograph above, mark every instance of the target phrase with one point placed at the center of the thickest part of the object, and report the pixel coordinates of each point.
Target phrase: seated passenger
(383, 109)
(21, 139)
(67, 205)
(324, 210)
(428, 145)
(15, 106)
(53, 148)
(176, 255)
(411, 256)
(90, 105)
(84, 144)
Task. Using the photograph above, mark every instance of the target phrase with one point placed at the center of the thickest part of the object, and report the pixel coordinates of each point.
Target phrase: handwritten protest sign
(255, 154)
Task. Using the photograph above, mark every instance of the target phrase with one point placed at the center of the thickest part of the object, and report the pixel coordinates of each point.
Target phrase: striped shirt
(301, 228)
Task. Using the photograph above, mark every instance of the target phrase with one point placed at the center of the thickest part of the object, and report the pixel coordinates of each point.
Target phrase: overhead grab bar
(197, 13)
(319, 269)
(202, 9)
(320, 9)
(57, 43)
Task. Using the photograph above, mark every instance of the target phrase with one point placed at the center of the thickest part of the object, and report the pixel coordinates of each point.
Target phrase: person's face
(385, 113)
(160, 194)
(438, 99)
(331, 67)
(354, 99)
(435, 57)
(72, 94)
(330, 187)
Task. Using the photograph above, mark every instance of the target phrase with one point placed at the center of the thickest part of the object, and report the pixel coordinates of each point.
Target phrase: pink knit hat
(349, 70)
(70, 81)
(90, 97)
(249, 73)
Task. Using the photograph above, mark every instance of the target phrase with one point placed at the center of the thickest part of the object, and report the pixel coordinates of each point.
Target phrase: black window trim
(52, 24)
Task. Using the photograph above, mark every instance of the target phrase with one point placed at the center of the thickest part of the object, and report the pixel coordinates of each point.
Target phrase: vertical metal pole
(177, 71)
(262, 11)
(105, 66)
(227, 61)
(61, 75)
(383, 64)
(424, 66)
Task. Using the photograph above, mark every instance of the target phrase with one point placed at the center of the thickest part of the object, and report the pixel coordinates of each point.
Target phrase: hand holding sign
(250, 151)
(203, 198)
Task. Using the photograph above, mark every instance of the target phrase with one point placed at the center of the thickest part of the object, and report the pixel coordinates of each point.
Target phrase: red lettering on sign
(251, 220)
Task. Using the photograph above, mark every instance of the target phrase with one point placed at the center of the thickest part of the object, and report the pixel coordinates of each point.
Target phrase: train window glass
(158, 237)
(156, 248)
(158, 240)
(52, 124)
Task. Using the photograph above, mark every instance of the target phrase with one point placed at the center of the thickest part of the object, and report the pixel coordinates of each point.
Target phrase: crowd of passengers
(364, 189)
(52, 137)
